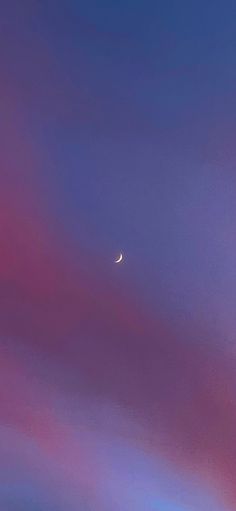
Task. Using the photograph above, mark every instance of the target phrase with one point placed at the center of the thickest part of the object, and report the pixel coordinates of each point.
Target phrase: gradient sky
(117, 134)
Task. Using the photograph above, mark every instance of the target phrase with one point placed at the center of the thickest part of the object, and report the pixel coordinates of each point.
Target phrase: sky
(117, 135)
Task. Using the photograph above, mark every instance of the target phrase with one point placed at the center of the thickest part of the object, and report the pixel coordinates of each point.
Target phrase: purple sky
(118, 381)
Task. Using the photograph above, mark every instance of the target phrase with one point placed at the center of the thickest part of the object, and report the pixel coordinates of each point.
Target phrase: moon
(119, 259)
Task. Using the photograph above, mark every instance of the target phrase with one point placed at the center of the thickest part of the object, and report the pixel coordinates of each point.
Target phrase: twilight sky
(117, 134)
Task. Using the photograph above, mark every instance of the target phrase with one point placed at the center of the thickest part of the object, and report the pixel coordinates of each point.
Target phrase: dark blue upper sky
(133, 105)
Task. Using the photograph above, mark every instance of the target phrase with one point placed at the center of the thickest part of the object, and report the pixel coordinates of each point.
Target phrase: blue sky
(117, 126)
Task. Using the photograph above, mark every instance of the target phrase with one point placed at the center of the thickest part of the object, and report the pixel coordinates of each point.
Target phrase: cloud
(103, 345)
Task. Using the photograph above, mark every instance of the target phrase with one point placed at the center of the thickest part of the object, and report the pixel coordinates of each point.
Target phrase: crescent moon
(119, 259)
